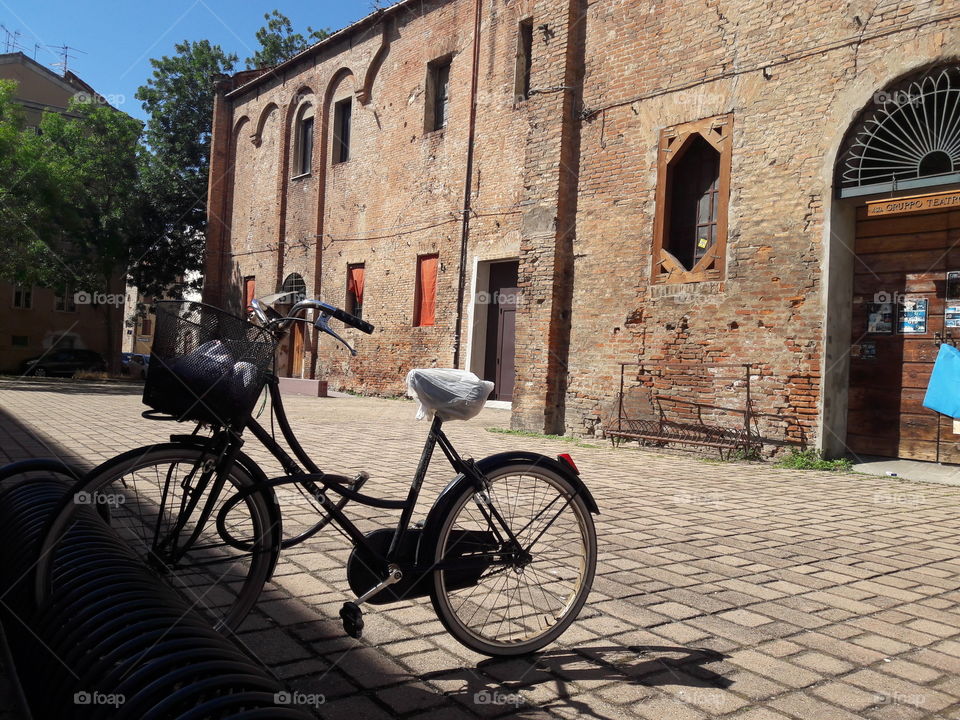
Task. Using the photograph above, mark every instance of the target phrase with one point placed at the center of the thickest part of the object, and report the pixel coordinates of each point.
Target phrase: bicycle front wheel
(514, 598)
(143, 495)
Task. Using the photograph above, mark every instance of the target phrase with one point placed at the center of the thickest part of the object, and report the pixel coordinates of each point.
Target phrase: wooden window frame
(26, 297)
(524, 61)
(302, 150)
(433, 119)
(717, 131)
(249, 281)
(341, 139)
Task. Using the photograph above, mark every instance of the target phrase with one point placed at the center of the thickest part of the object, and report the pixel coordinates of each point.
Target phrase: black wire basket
(206, 365)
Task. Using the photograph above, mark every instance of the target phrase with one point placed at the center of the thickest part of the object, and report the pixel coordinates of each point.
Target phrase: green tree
(278, 41)
(178, 99)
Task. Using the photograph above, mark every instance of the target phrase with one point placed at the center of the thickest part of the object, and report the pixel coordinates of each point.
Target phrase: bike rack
(111, 627)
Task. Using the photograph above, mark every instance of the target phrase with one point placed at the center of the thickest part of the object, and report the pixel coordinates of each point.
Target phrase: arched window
(303, 141)
(295, 287)
(908, 137)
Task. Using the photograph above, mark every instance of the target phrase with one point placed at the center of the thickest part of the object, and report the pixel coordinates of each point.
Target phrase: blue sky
(119, 38)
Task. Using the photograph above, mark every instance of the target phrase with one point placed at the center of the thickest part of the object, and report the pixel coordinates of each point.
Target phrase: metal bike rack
(111, 627)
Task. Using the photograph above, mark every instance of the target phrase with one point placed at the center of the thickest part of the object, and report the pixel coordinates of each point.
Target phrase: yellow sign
(918, 203)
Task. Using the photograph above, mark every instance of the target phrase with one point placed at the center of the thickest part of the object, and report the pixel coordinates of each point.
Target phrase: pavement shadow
(69, 386)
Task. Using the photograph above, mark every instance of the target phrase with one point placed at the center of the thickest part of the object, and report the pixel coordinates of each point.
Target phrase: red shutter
(427, 289)
(249, 291)
(355, 283)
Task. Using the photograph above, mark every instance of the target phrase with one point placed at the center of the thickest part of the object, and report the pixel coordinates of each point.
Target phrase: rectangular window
(146, 325)
(693, 185)
(342, 116)
(19, 340)
(425, 297)
(438, 95)
(304, 143)
(249, 290)
(64, 300)
(355, 278)
(521, 83)
(23, 297)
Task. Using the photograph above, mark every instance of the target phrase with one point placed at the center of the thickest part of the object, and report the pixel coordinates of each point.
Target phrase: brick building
(544, 190)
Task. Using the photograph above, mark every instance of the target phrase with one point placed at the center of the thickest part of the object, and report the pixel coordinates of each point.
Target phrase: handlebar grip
(348, 319)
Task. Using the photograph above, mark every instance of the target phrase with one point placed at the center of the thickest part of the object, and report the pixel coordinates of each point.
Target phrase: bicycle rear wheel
(508, 600)
(144, 492)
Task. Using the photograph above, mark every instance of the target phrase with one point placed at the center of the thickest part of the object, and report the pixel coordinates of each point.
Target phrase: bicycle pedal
(352, 617)
(359, 479)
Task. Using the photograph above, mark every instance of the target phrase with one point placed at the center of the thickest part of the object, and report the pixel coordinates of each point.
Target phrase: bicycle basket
(206, 364)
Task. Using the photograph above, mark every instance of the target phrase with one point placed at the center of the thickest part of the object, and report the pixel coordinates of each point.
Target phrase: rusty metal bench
(640, 416)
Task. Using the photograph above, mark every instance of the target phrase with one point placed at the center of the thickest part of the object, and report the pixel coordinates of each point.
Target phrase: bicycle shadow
(565, 678)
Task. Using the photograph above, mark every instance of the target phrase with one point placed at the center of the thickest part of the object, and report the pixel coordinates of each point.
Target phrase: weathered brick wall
(401, 193)
(794, 75)
(566, 182)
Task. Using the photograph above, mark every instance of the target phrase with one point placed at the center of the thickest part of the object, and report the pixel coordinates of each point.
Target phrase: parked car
(64, 362)
(134, 364)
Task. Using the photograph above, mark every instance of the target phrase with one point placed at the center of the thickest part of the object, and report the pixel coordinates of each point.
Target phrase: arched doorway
(296, 290)
(898, 173)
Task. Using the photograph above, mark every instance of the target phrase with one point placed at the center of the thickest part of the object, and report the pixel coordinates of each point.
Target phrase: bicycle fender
(434, 521)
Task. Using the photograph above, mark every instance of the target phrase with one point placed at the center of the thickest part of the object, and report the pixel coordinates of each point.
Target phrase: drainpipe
(467, 188)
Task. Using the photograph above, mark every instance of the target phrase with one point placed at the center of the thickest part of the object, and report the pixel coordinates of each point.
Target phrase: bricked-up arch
(907, 137)
(257, 136)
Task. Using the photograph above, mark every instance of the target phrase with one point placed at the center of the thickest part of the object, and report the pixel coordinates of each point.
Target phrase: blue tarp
(943, 391)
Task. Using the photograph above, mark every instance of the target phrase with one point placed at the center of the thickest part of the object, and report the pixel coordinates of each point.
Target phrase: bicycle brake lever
(322, 323)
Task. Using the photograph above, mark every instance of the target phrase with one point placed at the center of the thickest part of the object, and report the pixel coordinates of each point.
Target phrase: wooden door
(506, 342)
(900, 278)
(296, 350)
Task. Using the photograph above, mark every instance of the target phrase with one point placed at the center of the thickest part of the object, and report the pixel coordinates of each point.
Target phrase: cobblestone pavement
(722, 590)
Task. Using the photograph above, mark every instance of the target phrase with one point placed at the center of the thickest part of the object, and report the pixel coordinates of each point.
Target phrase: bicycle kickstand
(352, 615)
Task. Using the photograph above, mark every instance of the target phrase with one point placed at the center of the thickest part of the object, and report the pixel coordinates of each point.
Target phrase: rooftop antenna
(10, 41)
(64, 51)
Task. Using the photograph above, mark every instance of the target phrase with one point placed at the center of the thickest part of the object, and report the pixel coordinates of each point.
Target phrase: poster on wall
(951, 316)
(953, 285)
(880, 317)
(913, 316)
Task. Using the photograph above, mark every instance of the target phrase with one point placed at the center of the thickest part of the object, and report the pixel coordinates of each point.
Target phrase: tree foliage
(278, 41)
(178, 99)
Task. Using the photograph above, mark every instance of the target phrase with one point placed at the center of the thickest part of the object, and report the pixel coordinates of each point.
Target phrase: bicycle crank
(352, 615)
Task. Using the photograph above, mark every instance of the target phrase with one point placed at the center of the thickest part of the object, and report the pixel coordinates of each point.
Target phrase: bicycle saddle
(449, 394)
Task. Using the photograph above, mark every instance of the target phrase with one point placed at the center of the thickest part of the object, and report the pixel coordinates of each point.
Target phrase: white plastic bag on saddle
(448, 394)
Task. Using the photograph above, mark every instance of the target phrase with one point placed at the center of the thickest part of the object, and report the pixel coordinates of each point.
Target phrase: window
(64, 300)
(425, 297)
(249, 291)
(303, 160)
(521, 82)
(146, 325)
(692, 189)
(295, 287)
(355, 277)
(23, 297)
(438, 95)
(342, 113)
(19, 340)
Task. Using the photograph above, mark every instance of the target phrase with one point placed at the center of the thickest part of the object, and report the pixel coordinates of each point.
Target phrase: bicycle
(507, 553)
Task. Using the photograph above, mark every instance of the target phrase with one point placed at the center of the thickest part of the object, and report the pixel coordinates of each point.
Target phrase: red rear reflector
(569, 461)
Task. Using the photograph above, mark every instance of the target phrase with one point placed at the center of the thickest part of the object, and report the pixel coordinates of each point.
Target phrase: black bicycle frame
(228, 442)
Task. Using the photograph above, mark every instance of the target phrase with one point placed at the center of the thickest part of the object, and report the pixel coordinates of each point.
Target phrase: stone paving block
(779, 670)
